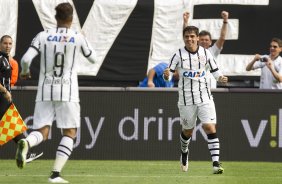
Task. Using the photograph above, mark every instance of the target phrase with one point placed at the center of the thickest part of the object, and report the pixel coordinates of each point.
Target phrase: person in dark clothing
(6, 97)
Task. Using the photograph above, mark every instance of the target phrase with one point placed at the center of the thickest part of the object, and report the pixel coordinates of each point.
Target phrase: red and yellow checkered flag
(11, 125)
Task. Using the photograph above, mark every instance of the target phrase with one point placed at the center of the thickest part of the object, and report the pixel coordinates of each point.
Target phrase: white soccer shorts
(188, 114)
(66, 114)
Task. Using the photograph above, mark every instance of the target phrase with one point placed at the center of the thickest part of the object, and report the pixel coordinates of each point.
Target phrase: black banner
(126, 124)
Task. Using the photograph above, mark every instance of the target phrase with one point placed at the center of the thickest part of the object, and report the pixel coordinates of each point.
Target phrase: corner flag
(11, 125)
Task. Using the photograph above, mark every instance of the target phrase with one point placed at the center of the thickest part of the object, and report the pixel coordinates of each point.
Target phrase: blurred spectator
(270, 65)
(6, 44)
(155, 77)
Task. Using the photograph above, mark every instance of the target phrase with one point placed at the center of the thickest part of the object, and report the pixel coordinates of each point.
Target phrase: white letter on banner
(171, 121)
(135, 121)
(254, 140)
(9, 20)
(230, 64)
(167, 28)
(94, 135)
(46, 12)
(280, 129)
(78, 137)
(102, 26)
(199, 128)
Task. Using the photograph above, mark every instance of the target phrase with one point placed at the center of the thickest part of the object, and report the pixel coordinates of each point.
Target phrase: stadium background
(244, 116)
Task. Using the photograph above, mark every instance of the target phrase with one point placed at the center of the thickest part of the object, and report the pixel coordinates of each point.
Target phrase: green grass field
(143, 172)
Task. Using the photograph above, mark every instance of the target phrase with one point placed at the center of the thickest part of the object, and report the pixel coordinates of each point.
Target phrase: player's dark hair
(277, 40)
(205, 33)
(191, 29)
(3, 37)
(64, 12)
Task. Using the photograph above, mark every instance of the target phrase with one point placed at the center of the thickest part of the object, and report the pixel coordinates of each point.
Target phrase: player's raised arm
(220, 42)
(186, 16)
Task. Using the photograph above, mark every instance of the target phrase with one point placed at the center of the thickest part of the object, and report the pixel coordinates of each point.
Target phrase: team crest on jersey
(56, 38)
(194, 74)
(202, 60)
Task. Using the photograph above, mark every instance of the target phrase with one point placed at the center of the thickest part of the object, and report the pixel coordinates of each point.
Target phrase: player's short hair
(64, 12)
(5, 36)
(277, 40)
(191, 29)
(205, 33)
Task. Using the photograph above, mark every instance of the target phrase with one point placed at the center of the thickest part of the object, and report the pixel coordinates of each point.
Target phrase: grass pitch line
(142, 176)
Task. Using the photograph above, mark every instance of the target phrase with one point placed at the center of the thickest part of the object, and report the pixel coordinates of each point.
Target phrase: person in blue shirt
(155, 77)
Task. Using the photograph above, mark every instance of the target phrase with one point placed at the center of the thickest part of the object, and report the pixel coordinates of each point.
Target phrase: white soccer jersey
(267, 80)
(192, 68)
(59, 49)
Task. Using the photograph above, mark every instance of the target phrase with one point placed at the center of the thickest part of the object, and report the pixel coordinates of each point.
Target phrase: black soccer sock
(19, 137)
(213, 145)
(54, 174)
(184, 142)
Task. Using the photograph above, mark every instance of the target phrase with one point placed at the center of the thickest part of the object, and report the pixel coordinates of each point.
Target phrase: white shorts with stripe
(205, 112)
(66, 114)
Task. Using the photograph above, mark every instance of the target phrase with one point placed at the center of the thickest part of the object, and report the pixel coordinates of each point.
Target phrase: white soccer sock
(34, 138)
(63, 153)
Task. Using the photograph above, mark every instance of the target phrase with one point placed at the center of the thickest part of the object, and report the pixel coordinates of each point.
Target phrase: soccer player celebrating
(195, 99)
(205, 39)
(57, 94)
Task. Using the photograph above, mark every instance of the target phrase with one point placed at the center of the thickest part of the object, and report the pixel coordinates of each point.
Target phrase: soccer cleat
(57, 180)
(217, 168)
(21, 153)
(32, 156)
(184, 162)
